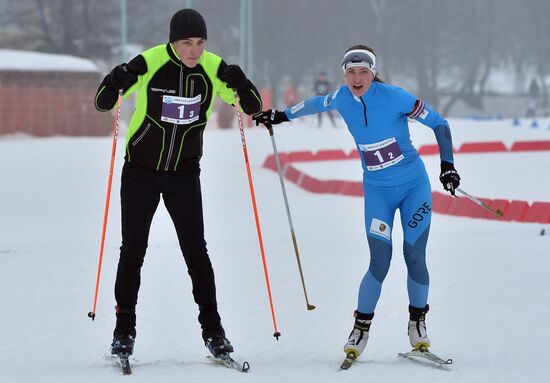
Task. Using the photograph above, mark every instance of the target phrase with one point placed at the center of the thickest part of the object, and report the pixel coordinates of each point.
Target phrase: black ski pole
(292, 233)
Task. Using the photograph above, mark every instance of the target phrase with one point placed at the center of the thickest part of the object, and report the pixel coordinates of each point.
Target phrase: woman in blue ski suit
(394, 177)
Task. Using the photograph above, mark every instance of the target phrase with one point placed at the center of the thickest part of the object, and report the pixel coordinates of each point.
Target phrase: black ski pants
(140, 193)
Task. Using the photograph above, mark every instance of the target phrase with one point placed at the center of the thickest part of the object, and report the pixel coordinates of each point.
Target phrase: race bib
(180, 110)
(381, 155)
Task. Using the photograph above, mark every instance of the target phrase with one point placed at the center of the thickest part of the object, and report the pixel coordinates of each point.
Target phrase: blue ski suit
(394, 177)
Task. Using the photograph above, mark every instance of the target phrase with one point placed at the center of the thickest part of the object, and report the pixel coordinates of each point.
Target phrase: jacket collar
(173, 55)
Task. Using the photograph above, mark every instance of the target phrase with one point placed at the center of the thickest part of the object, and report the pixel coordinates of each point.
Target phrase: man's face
(190, 50)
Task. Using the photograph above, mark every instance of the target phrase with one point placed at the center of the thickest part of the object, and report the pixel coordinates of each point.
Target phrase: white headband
(359, 58)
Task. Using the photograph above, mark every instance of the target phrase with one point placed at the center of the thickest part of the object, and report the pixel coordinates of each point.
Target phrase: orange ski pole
(276, 334)
(91, 314)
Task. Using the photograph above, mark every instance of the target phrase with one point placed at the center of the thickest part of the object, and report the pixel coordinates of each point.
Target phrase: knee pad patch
(415, 258)
(380, 258)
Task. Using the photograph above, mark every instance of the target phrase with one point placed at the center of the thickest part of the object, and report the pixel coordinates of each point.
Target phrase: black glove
(121, 78)
(234, 76)
(270, 117)
(449, 177)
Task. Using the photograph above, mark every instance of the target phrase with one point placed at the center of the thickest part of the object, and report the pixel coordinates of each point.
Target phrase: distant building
(45, 94)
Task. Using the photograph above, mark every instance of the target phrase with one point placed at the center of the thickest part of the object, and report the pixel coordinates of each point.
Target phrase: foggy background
(467, 57)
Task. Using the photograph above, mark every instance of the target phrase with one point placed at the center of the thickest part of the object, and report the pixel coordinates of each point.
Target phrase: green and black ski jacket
(172, 106)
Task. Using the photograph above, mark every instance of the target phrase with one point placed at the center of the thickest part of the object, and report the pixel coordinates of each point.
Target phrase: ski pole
(91, 314)
(496, 212)
(294, 242)
(276, 334)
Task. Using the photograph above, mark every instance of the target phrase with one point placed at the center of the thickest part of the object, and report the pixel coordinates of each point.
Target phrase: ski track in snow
(489, 280)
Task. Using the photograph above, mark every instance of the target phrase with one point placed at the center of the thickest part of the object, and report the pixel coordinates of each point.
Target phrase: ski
(350, 358)
(227, 361)
(415, 353)
(124, 363)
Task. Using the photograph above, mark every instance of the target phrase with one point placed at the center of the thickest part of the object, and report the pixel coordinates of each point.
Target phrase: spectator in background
(532, 98)
(290, 94)
(322, 87)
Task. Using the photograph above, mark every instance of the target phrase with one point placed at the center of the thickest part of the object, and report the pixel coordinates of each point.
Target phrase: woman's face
(190, 50)
(358, 79)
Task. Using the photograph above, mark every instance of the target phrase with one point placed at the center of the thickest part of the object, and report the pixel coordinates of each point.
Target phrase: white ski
(227, 361)
(426, 355)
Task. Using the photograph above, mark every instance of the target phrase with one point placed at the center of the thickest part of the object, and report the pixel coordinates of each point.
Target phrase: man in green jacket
(176, 84)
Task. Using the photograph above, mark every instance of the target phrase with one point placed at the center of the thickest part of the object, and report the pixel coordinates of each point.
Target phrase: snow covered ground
(490, 284)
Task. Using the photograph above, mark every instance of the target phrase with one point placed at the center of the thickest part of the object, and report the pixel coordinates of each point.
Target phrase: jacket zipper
(141, 135)
(174, 129)
(364, 112)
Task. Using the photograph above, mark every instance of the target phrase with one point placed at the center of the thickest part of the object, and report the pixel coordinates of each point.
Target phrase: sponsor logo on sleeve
(296, 108)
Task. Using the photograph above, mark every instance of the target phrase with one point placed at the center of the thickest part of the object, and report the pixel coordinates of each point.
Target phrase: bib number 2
(382, 154)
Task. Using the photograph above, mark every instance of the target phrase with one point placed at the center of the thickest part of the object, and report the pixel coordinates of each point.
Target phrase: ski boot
(417, 328)
(359, 336)
(217, 343)
(124, 335)
(123, 341)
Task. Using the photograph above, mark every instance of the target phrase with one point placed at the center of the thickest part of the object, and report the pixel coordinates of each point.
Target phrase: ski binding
(225, 360)
(350, 358)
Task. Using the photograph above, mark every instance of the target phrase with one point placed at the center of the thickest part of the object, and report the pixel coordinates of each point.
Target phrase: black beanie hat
(187, 23)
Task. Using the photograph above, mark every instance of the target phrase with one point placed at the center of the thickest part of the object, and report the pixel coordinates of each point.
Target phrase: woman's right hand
(270, 117)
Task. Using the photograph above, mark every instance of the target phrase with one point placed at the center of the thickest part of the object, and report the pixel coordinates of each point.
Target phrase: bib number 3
(180, 110)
